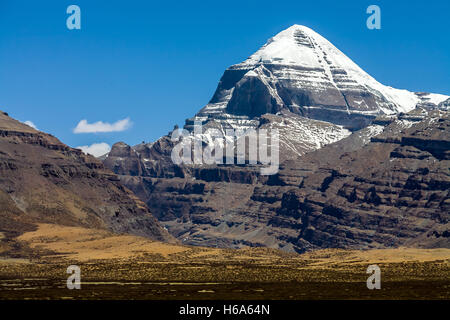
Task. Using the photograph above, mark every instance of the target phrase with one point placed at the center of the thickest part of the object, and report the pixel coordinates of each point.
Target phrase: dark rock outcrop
(362, 164)
(43, 180)
(360, 192)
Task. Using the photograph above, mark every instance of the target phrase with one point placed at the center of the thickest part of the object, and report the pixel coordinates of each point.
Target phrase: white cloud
(96, 149)
(84, 127)
(30, 124)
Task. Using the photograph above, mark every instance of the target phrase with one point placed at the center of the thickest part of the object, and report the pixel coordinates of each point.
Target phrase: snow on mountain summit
(284, 49)
(301, 46)
(300, 75)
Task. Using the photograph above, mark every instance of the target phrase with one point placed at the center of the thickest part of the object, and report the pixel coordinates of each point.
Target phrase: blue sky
(158, 62)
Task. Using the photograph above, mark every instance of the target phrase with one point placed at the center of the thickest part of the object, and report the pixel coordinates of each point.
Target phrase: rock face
(302, 72)
(300, 80)
(363, 165)
(43, 180)
(445, 105)
(388, 190)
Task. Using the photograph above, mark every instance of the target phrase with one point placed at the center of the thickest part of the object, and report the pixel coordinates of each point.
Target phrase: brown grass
(81, 244)
(129, 267)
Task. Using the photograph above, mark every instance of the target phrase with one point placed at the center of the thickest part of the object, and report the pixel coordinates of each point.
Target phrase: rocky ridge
(350, 149)
(44, 180)
(385, 185)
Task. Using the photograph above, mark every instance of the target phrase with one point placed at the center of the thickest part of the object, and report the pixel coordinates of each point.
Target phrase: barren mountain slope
(43, 180)
(383, 186)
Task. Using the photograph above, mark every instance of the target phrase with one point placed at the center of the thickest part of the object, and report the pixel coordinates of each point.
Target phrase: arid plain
(34, 266)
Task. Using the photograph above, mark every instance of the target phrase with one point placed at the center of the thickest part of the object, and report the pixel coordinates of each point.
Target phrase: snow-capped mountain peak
(299, 73)
(302, 47)
(287, 47)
